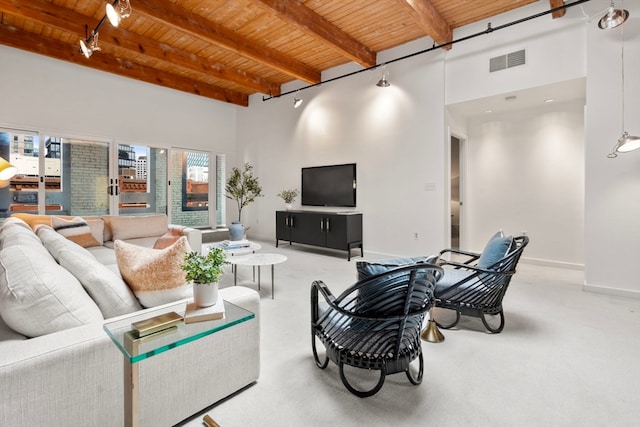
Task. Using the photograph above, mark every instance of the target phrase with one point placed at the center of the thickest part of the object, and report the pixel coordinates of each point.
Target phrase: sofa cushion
(77, 230)
(33, 219)
(108, 234)
(55, 242)
(38, 296)
(450, 277)
(496, 248)
(132, 227)
(16, 232)
(170, 237)
(106, 288)
(15, 221)
(104, 255)
(8, 334)
(154, 275)
(97, 229)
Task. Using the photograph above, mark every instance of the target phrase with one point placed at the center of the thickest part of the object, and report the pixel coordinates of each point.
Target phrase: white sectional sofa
(73, 375)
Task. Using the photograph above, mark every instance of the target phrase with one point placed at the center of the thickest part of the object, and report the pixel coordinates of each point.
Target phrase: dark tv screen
(329, 185)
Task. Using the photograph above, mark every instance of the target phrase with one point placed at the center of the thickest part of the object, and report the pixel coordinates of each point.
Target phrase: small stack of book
(156, 325)
(235, 244)
(195, 314)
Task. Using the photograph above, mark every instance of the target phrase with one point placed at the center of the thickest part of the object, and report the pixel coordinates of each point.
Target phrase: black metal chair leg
(417, 380)
(450, 325)
(489, 327)
(319, 364)
(359, 393)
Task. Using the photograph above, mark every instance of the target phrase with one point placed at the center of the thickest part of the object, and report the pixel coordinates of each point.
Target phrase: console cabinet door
(283, 229)
(308, 228)
(342, 230)
(336, 231)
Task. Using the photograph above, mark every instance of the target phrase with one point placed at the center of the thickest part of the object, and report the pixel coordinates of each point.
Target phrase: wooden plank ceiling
(229, 49)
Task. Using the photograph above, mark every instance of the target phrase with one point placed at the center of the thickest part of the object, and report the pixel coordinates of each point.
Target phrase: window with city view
(71, 176)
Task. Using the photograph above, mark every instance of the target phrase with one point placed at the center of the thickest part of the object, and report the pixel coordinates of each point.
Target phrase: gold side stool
(431, 333)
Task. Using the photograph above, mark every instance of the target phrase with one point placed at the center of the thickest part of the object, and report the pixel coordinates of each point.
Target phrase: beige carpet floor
(565, 358)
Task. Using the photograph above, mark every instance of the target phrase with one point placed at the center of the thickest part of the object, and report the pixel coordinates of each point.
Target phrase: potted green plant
(289, 196)
(204, 271)
(243, 187)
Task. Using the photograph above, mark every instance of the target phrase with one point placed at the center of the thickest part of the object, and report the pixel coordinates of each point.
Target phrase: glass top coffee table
(136, 349)
(257, 260)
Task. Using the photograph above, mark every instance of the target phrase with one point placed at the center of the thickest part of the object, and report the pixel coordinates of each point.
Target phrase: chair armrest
(473, 256)
(194, 236)
(476, 269)
(319, 286)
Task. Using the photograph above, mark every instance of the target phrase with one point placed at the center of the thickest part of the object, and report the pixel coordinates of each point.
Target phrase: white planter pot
(205, 295)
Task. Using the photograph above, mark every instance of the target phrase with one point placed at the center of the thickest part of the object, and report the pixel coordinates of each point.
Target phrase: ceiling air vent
(509, 60)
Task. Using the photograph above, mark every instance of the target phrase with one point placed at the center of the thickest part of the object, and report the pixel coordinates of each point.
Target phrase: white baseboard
(549, 263)
(611, 291)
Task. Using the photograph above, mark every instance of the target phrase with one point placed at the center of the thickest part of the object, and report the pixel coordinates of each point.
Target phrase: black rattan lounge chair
(475, 285)
(375, 324)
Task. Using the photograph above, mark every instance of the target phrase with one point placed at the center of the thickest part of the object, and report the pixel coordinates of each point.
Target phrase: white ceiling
(570, 90)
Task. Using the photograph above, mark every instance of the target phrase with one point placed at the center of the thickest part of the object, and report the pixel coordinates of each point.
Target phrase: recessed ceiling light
(488, 111)
(548, 100)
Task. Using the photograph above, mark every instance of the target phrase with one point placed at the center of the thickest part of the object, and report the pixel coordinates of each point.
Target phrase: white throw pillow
(39, 297)
(17, 232)
(106, 288)
(56, 243)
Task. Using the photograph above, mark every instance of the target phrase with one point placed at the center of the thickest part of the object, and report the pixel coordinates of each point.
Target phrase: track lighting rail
(489, 30)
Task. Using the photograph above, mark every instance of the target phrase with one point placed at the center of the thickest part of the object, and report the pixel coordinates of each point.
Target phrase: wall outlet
(415, 236)
(430, 186)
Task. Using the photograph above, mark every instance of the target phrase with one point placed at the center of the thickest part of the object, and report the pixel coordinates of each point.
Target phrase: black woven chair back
(481, 292)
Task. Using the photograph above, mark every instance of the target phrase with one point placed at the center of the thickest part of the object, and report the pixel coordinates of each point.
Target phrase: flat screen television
(333, 185)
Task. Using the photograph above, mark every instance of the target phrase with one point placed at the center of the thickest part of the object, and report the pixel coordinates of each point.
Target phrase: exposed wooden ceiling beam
(427, 17)
(185, 21)
(67, 20)
(558, 13)
(14, 37)
(306, 19)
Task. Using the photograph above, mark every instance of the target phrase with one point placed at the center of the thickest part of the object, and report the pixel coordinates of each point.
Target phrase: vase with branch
(242, 187)
(288, 196)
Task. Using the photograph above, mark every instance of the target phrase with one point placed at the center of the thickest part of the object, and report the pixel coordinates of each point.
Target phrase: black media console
(336, 230)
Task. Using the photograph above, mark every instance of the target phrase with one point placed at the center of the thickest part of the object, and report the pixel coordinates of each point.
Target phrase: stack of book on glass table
(235, 244)
(194, 313)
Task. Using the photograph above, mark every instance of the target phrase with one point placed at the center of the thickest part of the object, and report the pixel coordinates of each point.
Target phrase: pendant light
(626, 142)
(613, 18)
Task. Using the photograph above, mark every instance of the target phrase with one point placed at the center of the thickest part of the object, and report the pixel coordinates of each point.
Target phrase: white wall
(612, 198)
(525, 173)
(397, 135)
(554, 53)
(40, 93)
(405, 146)
(394, 135)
